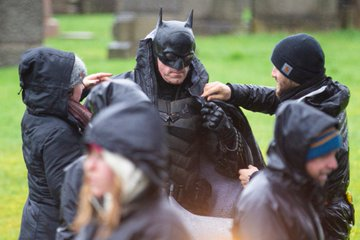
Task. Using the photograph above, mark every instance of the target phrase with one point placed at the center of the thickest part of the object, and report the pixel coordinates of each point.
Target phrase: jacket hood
(45, 80)
(114, 91)
(296, 125)
(133, 130)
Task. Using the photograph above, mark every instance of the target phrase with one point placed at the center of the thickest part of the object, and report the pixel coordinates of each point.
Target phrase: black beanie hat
(300, 58)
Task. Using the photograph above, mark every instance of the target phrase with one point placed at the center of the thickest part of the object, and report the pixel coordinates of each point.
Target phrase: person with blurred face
(208, 141)
(280, 202)
(99, 98)
(124, 170)
(52, 82)
(299, 72)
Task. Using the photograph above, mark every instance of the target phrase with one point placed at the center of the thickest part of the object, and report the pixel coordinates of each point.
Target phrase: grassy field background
(241, 58)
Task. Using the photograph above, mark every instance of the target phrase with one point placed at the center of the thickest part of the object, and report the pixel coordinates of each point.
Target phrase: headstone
(62, 6)
(84, 6)
(356, 14)
(51, 24)
(136, 18)
(349, 13)
(97, 6)
(294, 15)
(21, 27)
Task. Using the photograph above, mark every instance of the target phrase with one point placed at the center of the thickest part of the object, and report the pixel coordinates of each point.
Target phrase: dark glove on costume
(215, 119)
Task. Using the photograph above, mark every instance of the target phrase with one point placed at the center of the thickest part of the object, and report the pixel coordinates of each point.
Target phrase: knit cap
(326, 142)
(300, 58)
(78, 73)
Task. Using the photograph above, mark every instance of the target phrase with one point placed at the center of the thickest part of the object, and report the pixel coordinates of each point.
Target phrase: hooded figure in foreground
(100, 97)
(124, 171)
(279, 203)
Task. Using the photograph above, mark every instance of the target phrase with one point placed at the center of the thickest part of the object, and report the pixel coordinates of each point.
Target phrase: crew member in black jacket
(280, 202)
(124, 172)
(299, 72)
(52, 83)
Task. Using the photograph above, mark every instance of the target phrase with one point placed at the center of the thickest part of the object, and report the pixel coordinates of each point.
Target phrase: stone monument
(83, 6)
(51, 25)
(293, 15)
(21, 27)
(136, 18)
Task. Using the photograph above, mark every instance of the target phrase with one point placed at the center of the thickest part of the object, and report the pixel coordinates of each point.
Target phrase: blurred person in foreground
(52, 83)
(99, 98)
(280, 202)
(208, 141)
(124, 172)
(299, 72)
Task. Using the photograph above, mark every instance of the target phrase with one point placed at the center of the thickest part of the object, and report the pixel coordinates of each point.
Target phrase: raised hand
(96, 78)
(216, 91)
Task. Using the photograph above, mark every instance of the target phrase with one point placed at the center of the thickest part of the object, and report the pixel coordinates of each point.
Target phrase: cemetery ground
(242, 58)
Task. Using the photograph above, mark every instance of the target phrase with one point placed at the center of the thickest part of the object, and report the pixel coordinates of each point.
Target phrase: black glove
(215, 119)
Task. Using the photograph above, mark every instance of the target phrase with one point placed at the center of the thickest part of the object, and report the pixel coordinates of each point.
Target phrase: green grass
(238, 58)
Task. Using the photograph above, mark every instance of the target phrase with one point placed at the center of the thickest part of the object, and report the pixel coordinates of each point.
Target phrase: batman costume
(208, 141)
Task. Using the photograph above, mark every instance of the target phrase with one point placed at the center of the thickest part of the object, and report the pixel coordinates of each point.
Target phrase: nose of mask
(178, 64)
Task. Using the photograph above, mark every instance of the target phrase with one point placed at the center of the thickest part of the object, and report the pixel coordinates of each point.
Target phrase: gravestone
(83, 6)
(136, 18)
(21, 27)
(294, 15)
(97, 6)
(349, 13)
(51, 27)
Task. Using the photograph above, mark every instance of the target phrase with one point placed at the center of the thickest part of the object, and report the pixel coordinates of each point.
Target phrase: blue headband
(325, 143)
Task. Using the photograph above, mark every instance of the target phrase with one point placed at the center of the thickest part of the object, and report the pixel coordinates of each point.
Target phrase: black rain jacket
(279, 202)
(119, 129)
(51, 137)
(101, 96)
(152, 218)
(332, 98)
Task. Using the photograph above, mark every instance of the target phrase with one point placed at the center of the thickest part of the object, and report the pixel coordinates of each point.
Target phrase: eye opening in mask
(172, 57)
(169, 56)
(188, 58)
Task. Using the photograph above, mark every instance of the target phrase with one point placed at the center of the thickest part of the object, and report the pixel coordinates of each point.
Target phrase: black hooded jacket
(101, 96)
(332, 98)
(279, 202)
(51, 137)
(120, 130)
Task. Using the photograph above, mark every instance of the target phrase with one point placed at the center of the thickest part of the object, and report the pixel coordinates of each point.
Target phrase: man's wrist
(231, 93)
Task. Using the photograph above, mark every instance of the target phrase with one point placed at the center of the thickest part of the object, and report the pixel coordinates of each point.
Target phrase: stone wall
(293, 15)
(21, 27)
(136, 18)
(210, 16)
(84, 6)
